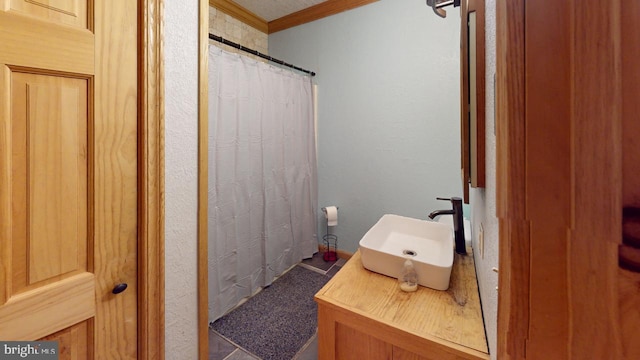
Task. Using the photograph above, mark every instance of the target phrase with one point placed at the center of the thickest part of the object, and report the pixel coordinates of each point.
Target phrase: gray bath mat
(279, 320)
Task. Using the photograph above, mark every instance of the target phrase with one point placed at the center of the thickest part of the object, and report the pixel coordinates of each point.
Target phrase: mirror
(472, 97)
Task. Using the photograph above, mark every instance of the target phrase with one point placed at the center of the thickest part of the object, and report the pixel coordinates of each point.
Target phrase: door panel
(37, 44)
(67, 12)
(48, 309)
(49, 179)
(48, 237)
(353, 344)
(68, 175)
(72, 341)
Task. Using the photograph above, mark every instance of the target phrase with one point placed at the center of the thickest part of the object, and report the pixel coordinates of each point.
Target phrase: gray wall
(389, 110)
(483, 201)
(181, 199)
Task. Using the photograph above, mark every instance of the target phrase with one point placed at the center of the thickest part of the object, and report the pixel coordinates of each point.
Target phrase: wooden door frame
(151, 336)
(513, 279)
(558, 108)
(203, 179)
(150, 180)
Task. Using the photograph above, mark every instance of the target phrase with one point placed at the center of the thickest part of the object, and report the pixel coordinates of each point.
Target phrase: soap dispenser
(408, 279)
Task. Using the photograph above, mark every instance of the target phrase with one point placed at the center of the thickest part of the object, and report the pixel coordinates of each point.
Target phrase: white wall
(483, 201)
(181, 200)
(389, 110)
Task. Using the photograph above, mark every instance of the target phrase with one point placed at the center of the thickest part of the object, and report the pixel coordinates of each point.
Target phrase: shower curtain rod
(257, 53)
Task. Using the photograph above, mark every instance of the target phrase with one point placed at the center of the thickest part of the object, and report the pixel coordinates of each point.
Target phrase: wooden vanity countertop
(451, 318)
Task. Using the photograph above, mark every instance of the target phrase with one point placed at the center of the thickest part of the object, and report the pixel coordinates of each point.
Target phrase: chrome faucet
(458, 222)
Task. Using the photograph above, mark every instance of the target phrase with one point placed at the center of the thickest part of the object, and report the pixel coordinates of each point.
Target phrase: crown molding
(319, 11)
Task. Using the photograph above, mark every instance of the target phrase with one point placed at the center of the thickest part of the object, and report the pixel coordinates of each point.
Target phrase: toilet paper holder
(330, 242)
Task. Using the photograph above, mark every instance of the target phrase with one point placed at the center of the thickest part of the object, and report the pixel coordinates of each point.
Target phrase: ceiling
(271, 16)
(271, 10)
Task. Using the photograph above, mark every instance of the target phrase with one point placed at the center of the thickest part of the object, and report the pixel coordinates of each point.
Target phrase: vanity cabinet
(364, 315)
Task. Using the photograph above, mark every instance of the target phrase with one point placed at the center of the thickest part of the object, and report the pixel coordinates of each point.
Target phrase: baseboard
(341, 253)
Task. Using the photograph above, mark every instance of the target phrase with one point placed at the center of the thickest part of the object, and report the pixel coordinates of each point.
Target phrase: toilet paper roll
(331, 213)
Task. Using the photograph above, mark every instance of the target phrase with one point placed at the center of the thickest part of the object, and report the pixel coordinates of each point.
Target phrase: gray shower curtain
(262, 193)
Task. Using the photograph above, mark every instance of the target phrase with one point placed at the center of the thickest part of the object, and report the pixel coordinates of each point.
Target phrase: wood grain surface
(424, 322)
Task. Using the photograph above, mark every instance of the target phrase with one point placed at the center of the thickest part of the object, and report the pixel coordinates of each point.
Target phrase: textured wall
(389, 110)
(230, 28)
(483, 201)
(181, 200)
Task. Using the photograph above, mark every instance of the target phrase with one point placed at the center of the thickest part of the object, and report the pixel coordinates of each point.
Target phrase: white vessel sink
(428, 244)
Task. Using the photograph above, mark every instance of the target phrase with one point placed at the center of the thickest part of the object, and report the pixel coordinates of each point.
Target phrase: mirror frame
(472, 96)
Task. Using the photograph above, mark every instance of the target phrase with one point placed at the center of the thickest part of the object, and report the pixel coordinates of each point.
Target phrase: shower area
(262, 190)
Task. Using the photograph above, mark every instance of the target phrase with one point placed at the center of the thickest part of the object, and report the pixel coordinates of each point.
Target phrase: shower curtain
(262, 193)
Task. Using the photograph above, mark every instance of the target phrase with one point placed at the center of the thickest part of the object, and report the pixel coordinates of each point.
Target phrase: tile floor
(223, 349)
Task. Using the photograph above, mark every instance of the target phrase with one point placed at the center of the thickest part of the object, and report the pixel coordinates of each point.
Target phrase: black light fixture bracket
(438, 5)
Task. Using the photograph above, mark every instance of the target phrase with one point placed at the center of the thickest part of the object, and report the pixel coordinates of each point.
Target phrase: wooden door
(568, 179)
(629, 251)
(68, 174)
